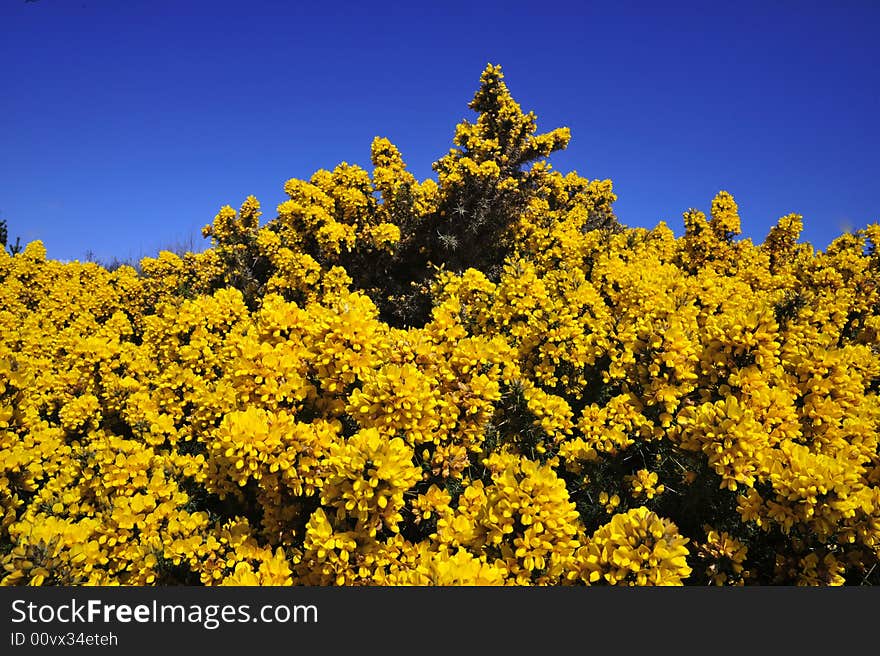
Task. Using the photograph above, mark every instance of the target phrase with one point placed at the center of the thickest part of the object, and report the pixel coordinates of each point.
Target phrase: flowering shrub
(482, 379)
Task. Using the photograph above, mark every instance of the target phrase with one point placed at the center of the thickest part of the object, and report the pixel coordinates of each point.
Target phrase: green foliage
(13, 249)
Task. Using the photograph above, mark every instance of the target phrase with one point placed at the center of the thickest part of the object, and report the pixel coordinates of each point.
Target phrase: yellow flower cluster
(368, 477)
(598, 406)
(724, 556)
(634, 548)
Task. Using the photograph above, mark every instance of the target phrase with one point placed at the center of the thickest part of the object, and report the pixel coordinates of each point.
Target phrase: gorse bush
(483, 379)
(388, 233)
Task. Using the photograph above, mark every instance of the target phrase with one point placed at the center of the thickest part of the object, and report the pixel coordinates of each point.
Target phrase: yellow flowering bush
(478, 379)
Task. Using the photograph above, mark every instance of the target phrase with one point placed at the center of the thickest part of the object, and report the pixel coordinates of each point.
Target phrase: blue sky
(126, 124)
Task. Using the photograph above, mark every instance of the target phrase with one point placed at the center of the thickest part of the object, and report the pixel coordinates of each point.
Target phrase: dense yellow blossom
(478, 379)
(634, 548)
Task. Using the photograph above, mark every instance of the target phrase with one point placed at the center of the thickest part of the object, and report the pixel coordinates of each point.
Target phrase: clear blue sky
(126, 124)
